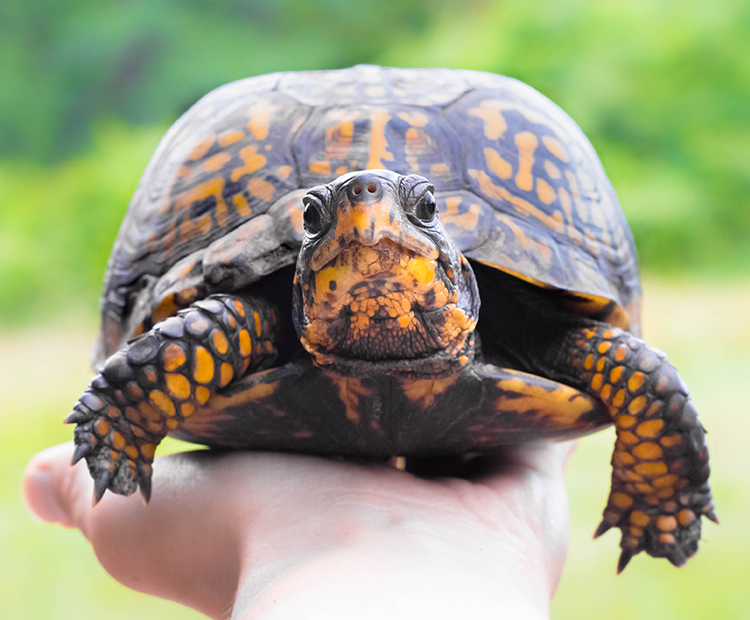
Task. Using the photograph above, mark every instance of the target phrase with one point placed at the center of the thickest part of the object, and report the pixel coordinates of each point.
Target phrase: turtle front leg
(660, 464)
(152, 385)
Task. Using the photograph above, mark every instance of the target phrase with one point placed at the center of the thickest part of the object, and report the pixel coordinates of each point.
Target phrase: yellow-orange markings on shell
(260, 117)
(178, 385)
(261, 188)
(172, 424)
(212, 164)
(494, 122)
(526, 143)
(131, 451)
(606, 392)
(239, 308)
(162, 401)
(220, 342)
(378, 145)
(230, 137)
(256, 318)
(174, 357)
(650, 428)
(102, 427)
(253, 161)
(113, 412)
(202, 394)
(616, 373)
(320, 167)
(553, 171)
(601, 363)
(203, 365)
(588, 363)
(200, 149)
(597, 381)
(604, 347)
(497, 164)
(554, 147)
(225, 373)
(639, 518)
(625, 421)
(186, 410)
(648, 451)
(246, 347)
(240, 203)
(628, 437)
(138, 431)
(545, 192)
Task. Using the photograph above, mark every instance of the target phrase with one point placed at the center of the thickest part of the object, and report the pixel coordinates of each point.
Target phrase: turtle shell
(518, 185)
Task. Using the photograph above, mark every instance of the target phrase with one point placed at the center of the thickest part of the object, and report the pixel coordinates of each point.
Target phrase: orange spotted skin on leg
(660, 463)
(160, 379)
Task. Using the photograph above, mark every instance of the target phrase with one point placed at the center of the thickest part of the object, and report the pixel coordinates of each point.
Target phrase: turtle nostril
(372, 188)
(357, 190)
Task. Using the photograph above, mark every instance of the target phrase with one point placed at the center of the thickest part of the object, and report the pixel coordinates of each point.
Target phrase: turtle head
(379, 284)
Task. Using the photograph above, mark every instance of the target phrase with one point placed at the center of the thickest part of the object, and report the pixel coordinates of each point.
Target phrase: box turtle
(282, 281)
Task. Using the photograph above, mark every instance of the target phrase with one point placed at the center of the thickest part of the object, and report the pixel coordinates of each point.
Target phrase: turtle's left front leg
(660, 464)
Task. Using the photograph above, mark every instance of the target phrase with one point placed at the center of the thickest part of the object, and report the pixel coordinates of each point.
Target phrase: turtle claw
(677, 557)
(603, 527)
(76, 417)
(625, 557)
(144, 481)
(711, 516)
(81, 450)
(100, 486)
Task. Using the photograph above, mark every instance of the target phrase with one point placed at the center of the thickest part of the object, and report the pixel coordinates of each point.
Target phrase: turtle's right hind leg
(158, 380)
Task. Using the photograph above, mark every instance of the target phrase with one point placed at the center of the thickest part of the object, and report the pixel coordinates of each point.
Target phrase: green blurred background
(662, 89)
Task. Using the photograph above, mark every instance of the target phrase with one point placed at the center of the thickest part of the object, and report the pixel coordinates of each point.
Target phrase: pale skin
(269, 536)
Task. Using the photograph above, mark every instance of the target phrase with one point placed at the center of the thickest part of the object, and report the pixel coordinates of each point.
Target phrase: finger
(182, 546)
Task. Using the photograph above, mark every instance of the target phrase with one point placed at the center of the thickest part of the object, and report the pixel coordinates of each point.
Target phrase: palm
(224, 527)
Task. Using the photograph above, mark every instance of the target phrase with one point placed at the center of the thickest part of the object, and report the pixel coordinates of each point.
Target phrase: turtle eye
(426, 207)
(312, 216)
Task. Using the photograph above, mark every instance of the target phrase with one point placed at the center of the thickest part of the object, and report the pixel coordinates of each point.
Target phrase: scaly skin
(149, 387)
(660, 464)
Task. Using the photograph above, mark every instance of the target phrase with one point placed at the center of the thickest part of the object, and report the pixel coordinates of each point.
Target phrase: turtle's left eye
(313, 215)
(426, 207)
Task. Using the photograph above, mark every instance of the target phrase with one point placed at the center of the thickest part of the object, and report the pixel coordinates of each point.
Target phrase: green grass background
(660, 87)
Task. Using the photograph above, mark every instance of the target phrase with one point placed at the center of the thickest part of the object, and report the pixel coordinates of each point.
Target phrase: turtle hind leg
(660, 464)
(159, 379)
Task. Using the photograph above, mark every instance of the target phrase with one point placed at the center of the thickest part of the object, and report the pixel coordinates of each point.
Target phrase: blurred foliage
(661, 89)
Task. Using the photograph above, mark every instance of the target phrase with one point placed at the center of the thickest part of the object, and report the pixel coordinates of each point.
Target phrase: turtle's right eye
(313, 215)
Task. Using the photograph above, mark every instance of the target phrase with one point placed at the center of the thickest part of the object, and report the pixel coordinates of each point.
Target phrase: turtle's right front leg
(158, 380)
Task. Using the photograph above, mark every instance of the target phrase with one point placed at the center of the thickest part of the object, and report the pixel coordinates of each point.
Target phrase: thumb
(183, 546)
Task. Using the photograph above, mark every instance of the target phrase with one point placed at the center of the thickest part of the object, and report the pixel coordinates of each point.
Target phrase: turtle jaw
(383, 302)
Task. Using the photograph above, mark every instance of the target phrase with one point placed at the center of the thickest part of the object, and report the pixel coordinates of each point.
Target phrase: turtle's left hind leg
(158, 380)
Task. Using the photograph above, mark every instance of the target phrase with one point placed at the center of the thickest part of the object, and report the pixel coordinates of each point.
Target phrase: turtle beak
(369, 211)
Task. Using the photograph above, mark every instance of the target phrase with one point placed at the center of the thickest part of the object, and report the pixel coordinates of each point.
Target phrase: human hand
(262, 535)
